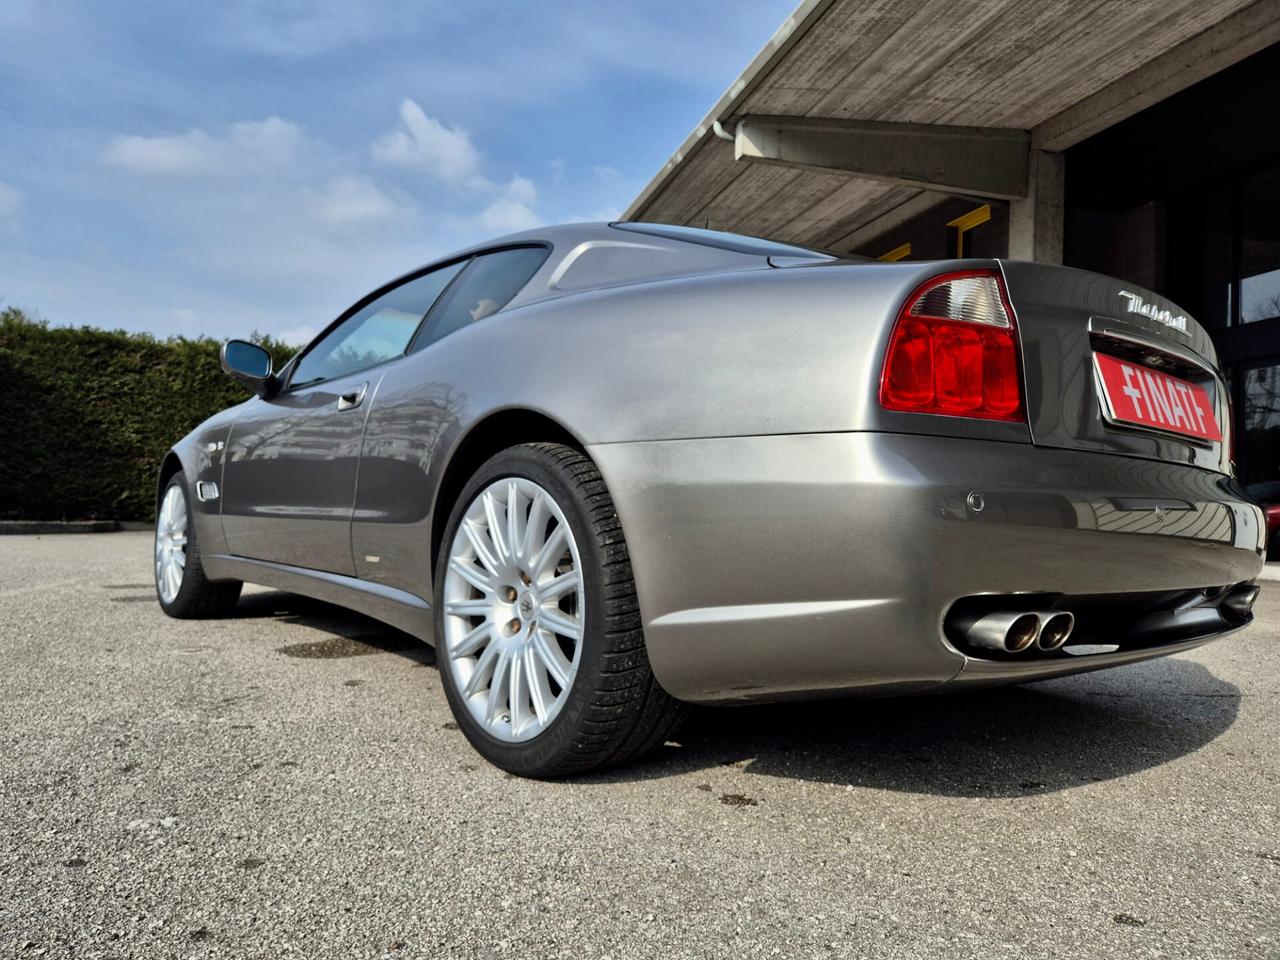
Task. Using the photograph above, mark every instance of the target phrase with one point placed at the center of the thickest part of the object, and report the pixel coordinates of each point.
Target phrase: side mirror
(249, 364)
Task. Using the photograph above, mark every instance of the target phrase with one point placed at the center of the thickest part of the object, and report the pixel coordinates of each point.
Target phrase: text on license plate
(1151, 398)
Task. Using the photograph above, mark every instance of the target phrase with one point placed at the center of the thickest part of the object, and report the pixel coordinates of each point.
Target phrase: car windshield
(736, 242)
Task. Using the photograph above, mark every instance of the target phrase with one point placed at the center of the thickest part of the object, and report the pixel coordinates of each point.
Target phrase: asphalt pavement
(288, 782)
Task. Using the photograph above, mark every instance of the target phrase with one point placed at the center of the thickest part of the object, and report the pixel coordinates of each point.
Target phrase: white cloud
(195, 153)
(262, 206)
(447, 153)
(181, 155)
(262, 225)
(352, 199)
(521, 190)
(424, 142)
(513, 210)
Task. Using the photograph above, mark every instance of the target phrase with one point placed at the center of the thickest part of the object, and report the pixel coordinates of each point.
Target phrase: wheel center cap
(526, 607)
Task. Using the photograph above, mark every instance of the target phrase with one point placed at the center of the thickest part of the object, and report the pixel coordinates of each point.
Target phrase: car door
(292, 461)
(418, 407)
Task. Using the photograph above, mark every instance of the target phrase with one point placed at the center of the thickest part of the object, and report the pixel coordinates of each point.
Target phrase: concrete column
(1035, 224)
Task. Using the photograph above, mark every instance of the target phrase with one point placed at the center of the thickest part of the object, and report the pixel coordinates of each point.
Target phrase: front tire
(537, 625)
(182, 588)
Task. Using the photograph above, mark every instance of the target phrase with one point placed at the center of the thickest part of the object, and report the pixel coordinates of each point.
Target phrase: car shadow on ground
(350, 634)
(1001, 742)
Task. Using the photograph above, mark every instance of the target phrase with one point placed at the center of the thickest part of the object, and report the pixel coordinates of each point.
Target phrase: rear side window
(377, 332)
(484, 287)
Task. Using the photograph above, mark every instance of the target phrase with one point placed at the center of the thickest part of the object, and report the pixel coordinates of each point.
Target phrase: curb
(28, 527)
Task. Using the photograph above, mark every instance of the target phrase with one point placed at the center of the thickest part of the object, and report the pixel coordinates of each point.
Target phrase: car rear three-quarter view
(611, 469)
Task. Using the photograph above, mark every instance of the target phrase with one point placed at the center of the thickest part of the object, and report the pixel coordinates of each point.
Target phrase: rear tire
(518, 612)
(182, 588)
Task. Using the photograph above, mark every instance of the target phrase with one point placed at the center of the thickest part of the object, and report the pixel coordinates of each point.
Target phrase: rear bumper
(812, 564)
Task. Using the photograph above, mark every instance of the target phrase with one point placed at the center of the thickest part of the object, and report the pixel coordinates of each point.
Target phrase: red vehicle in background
(1267, 496)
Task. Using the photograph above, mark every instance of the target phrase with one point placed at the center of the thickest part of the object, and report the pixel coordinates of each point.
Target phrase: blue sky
(197, 167)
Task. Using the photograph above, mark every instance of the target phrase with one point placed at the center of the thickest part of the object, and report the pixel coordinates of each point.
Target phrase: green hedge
(88, 414)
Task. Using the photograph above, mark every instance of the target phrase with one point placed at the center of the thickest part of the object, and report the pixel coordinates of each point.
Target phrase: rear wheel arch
(487, 438)
(612, 708)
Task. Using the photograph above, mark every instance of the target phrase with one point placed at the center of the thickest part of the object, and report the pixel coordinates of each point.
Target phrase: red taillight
(954, 351)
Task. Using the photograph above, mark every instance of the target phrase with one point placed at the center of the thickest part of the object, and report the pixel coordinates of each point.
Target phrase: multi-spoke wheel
(512, 608)
(183, 589)
(538, 636)
(171, 543)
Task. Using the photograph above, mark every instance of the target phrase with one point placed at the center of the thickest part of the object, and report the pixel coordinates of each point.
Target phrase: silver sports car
(611, 469)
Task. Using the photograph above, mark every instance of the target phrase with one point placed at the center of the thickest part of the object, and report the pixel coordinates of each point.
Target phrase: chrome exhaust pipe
(1004, 631)
(1237, 605)
(1055, 627)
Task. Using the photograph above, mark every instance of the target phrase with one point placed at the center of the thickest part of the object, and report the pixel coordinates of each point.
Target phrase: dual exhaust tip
(1237, 605)
(1014, 632)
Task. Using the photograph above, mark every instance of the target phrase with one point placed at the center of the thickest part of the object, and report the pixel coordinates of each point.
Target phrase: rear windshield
(735, 242)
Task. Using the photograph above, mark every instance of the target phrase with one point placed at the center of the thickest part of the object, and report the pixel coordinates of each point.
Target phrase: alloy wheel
(513, 609)
(171, 544)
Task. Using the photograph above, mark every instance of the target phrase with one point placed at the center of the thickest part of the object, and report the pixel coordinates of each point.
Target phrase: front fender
(200, 457)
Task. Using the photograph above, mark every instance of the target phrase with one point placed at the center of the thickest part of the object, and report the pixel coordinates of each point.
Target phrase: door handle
(348, 401)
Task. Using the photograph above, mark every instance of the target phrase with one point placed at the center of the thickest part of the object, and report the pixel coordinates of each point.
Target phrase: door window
(377, 332)
(1260, 247)
(1261, 425)
(484, 288)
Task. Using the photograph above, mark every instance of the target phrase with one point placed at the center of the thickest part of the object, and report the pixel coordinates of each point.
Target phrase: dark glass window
(1260, 246)
(379, 331)
(1261, 425)
(484, 288)
(990, 238)
(1199, 251)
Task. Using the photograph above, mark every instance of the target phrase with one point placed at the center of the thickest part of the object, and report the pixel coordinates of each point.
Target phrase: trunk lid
(1151, 349)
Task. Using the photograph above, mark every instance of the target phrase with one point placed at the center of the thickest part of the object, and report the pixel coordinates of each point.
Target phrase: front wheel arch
(168, 467)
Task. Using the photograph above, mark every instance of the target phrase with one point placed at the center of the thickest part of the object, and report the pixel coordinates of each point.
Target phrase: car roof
(655, 252)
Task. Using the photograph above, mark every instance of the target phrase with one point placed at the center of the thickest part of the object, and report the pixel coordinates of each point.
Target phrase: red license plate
(1143, 397)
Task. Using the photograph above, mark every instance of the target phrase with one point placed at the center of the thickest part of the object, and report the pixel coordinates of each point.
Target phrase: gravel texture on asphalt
(289, 782)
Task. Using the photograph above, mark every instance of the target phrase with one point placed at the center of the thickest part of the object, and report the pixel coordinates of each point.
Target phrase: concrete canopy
(1052, 71)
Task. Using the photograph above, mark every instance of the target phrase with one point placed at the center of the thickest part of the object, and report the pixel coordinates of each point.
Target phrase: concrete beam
(1036, 222)
(974, 161)
(1229, 41)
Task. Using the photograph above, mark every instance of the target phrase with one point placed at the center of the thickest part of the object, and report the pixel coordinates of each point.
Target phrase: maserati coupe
(609, 470)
